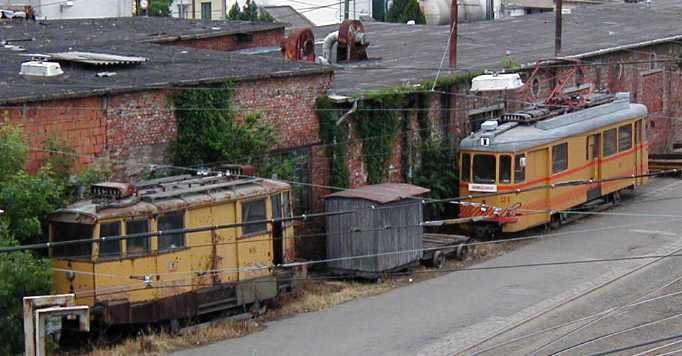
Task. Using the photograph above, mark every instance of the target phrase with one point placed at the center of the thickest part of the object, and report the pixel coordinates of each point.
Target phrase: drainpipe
(348, 113)
(328, 45)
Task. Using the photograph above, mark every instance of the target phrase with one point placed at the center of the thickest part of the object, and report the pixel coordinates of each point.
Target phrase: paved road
(450, 313)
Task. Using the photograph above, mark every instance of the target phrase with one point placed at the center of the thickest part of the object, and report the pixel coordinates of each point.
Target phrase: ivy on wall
(335, 139)
(209, 133)
(377, 123)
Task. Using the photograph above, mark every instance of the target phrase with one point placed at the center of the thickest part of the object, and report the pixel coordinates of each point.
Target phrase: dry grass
(160, 343)
(315, 295)
(320, 295)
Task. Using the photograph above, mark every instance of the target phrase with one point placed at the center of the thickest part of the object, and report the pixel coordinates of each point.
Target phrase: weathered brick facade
(133, 130)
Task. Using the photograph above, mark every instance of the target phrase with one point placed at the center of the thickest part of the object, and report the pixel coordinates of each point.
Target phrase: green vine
(377, 125)
(447, 81)
(335, 138)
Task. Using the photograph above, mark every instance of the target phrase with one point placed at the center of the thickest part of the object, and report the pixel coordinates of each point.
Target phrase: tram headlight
(70, 275)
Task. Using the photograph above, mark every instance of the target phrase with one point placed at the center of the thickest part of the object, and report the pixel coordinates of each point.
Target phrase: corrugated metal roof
(96, 58)
(381, 193)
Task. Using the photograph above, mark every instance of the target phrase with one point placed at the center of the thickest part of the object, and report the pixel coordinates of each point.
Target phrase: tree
(26, 200)
(159, 7)
(234, 12)
(249, 12)
(21, 274)
(209, 132)
(402, 11)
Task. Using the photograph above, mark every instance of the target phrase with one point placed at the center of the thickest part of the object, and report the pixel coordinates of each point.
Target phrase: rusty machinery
(567, 71)
(352, 43)
(299, 45)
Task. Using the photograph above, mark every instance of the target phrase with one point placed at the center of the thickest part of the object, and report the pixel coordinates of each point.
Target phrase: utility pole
(557, 32)
(346, 10)
(454, 18)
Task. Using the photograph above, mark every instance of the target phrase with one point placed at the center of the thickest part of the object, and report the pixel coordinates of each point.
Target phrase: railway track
(475, 349)
(665, 161)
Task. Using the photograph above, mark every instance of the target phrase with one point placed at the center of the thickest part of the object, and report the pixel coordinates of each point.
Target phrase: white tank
(437, 12)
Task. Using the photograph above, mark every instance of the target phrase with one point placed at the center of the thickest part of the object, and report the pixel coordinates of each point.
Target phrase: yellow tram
(183, 272)
(532, 149)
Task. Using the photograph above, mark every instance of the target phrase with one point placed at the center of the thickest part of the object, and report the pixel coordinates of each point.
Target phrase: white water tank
(437, 12)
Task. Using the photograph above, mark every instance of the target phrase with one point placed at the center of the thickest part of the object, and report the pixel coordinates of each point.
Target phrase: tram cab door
(592, 150)
(639, 153)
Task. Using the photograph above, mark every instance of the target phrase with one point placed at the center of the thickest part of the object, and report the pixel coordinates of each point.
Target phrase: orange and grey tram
(509, 166)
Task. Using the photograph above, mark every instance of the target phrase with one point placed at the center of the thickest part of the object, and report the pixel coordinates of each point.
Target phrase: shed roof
(409, 54)
(132, 37)
(514, 137)
(381, 193)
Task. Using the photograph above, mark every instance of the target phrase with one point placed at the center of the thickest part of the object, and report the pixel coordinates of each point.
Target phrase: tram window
(484, 169)
(110, 248)
(505, 169)
(466, 167)
(62, 231)
(276, 206)
(624, 138)
(519, 169)
(286, 204)
(610, 142)
(559, 157)
(253, 211)
(137, 245)
(171, 221)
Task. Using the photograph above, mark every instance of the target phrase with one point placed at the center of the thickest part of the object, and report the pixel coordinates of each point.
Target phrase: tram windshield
(484, 169)
(62, 231)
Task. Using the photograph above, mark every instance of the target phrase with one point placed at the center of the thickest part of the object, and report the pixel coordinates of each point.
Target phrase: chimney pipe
(454, 18)
(557, 32)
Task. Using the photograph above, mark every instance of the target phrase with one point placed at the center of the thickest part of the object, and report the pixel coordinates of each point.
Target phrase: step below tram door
(592, 152)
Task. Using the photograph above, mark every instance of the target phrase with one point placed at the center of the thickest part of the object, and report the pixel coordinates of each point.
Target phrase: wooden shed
(385, 231)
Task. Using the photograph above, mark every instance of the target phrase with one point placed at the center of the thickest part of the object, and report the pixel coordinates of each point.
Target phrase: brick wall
(139, 128)
(269, 38)
(132, 130)
(80, 123)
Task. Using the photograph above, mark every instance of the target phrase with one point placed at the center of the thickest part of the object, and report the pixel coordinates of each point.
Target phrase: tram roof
(516, 137)
(172, 196)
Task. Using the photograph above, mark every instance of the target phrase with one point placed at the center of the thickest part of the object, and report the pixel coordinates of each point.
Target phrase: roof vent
(623, 96)
(41, 69)
(494, 82)
(111, 191)
(489, 125)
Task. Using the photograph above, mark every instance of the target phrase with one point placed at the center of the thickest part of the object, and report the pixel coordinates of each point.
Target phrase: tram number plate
(488, 188)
